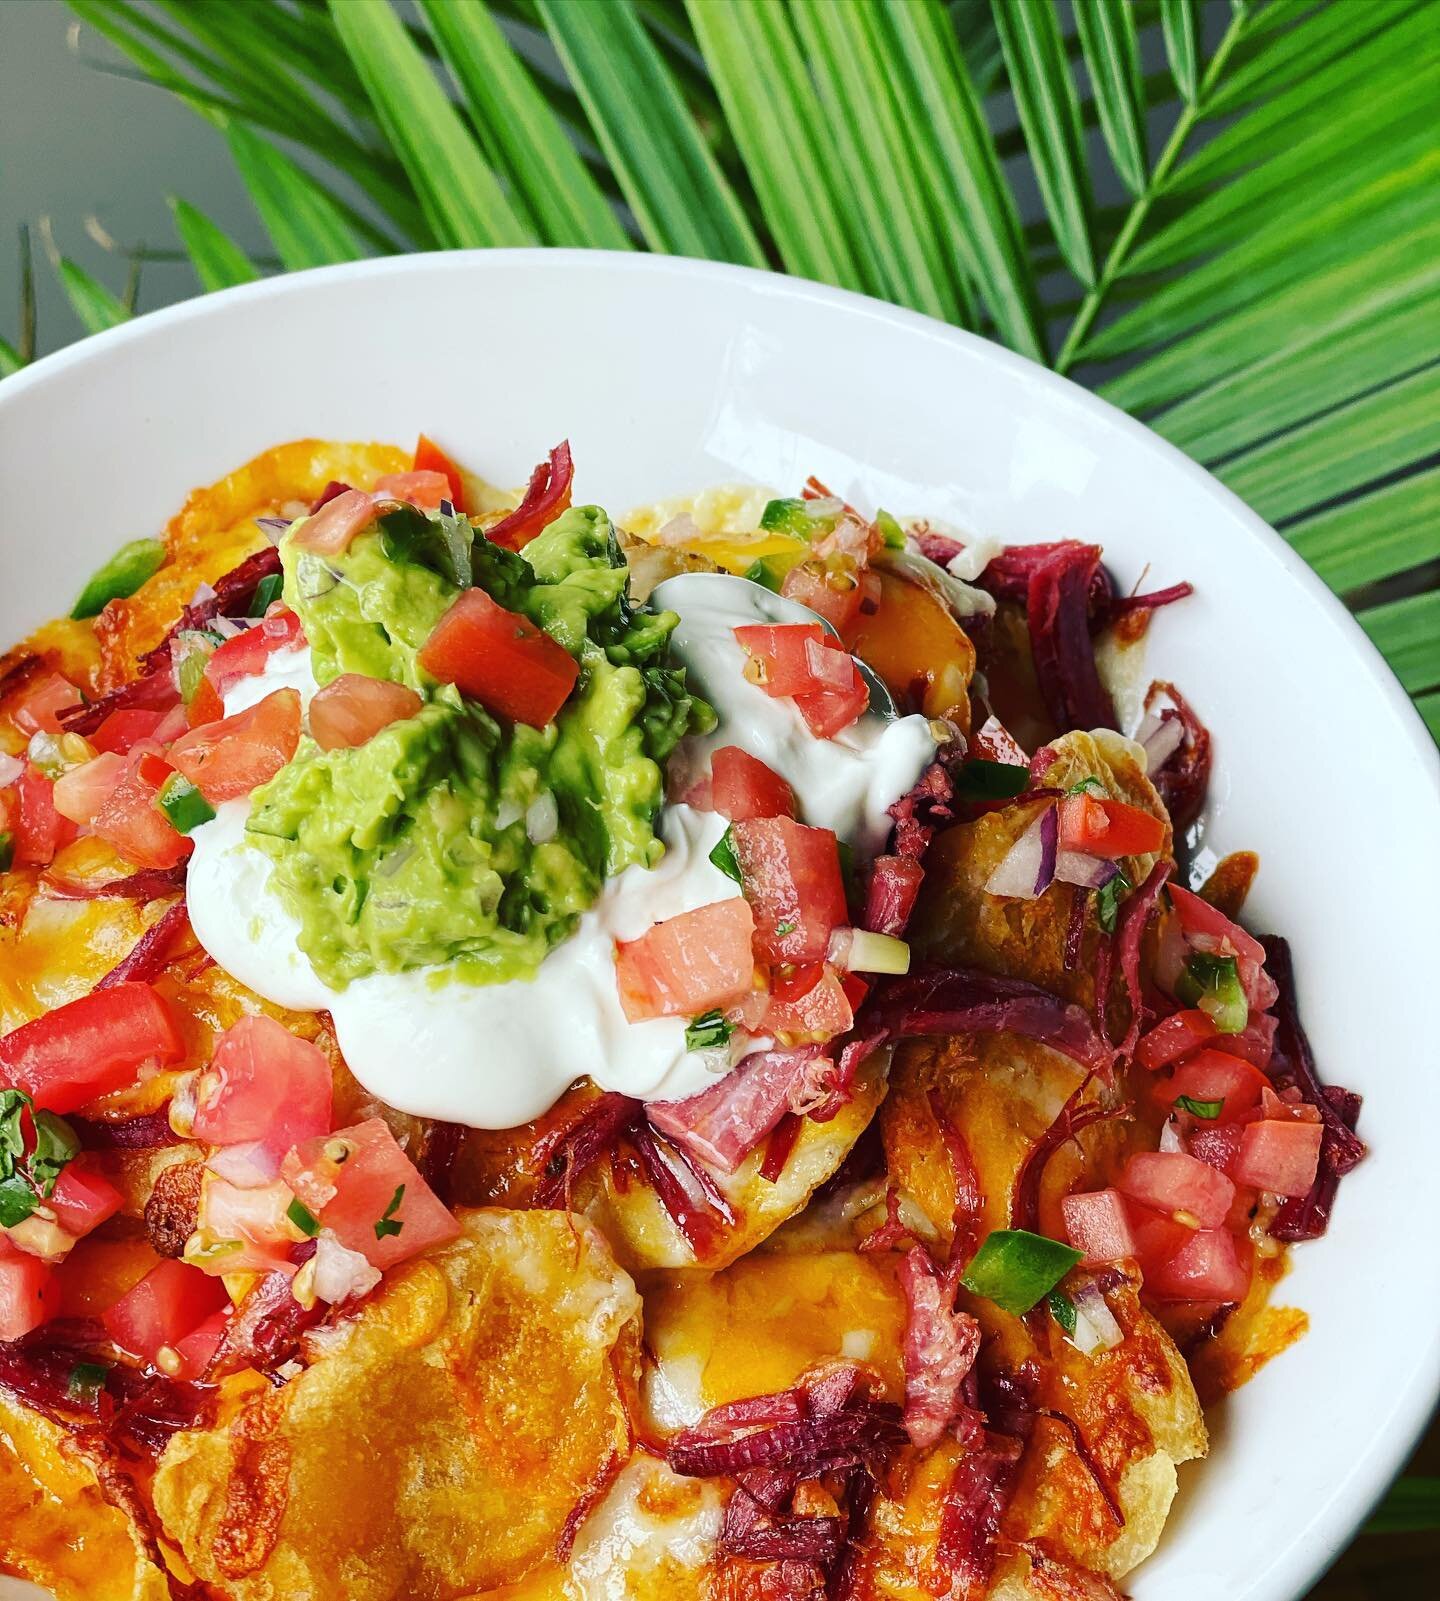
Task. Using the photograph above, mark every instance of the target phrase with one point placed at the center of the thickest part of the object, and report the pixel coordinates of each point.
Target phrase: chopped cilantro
(1062, 1309)
(55, 1145)
(1212, 983)
(1206, 1109)
(389, 1223)
(1087, 786)
(267, 592)
(303, 1218)
(724, 857)
(1107, 900)
(707, 1031)
(7, 852)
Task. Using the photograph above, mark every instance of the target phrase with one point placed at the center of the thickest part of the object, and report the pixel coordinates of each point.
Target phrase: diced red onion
(203, 593)
(1171, 1139)
(681, 530)
(11, 768)
(832, 668)
(1028, 868)
(247, 1165)
(542, 820)
(1095, 1325)
(1160, 738)
(824, 506)
(1089, 872)
(340, 1273)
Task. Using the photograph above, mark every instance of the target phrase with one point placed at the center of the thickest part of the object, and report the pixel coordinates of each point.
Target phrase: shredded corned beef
(439, 1147)
(958, 1000)
(929, 805)
(1131, 922)
(155, 691)
(1184, 777)
(1008, 575)
(724, 1122)
(1075, 1115)
(20, 672)
(566, 1152)
(779, 1146)
(687, 1192)
(974, 1503)
(941, 1345)
(830, 1421)
(1293, 1066)
(969, 1214)
(891, 889)
(151, 885)
(265, 1330)
(1060, 641)
(146, 961)
(148, 1132)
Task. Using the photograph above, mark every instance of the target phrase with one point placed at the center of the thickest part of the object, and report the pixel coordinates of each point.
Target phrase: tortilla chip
(440, 1440)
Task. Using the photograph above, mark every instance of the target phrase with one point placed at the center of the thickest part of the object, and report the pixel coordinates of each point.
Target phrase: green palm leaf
(1265, 292)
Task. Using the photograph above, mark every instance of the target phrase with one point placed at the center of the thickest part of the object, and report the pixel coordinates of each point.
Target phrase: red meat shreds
(1183, 778)
(1060, 639)
(1292, 1065)
(941, 1345)
(1076, 1114)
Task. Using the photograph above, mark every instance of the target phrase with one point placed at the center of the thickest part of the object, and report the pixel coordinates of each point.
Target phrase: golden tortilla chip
(441, 1439)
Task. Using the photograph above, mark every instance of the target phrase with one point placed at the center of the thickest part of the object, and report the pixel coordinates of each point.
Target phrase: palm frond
(1238, 246)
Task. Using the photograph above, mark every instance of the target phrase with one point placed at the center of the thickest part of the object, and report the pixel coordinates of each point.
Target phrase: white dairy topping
(496, 1055)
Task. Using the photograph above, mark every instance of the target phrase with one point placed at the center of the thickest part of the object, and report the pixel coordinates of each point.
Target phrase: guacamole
(454, 837)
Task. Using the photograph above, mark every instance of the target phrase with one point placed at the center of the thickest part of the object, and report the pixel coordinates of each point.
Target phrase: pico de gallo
(761, 868)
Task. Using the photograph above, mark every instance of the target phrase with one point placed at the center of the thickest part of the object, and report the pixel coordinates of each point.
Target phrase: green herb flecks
(1206, 1109)
(389, 1223)
(1062, 1309)
(303, 1219)
(724, 857)
(267, 592)
(1107, 900)
(982, 780)
(708, 1031)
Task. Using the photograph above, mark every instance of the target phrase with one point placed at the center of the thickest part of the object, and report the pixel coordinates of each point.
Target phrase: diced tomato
(828, 712)
(264, 1087)
(1108, 828)
(1207, 1267)
(1256, 1041)
(810, 1006)
(171, 1301)
(205, 706)
(1157, 1237)
(29, 1294)
(430, 458)
(247, 654)
(501, 659)
(1174, 1039)
(82, 1200)
(40, 831)
(1171, 1181)
(1207, 929)
(1282, 1157)
(742, 787)
(1215, 1076)
(197, 1350)
(130, 820)
(359, 1197)
(330, 530)
(1217, 1145)
(80, 793)
(352, 709)
(688, 964)
(1098, 1224)
(228, 759)
(890, 894)
(123, 729)
(37, 709)
(856, 989)
(90, 1046)
(250, 1221)
(423, 488)
(778, 661)
(546, 496)
(834, 596)
(791, 878)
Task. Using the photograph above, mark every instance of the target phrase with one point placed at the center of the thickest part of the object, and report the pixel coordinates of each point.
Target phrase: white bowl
(668, 375)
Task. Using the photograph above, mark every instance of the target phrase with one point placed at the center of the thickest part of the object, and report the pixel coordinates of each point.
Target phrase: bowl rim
(1383, 1454)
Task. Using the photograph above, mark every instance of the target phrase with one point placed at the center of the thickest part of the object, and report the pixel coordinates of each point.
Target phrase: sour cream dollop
(497, 1055)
